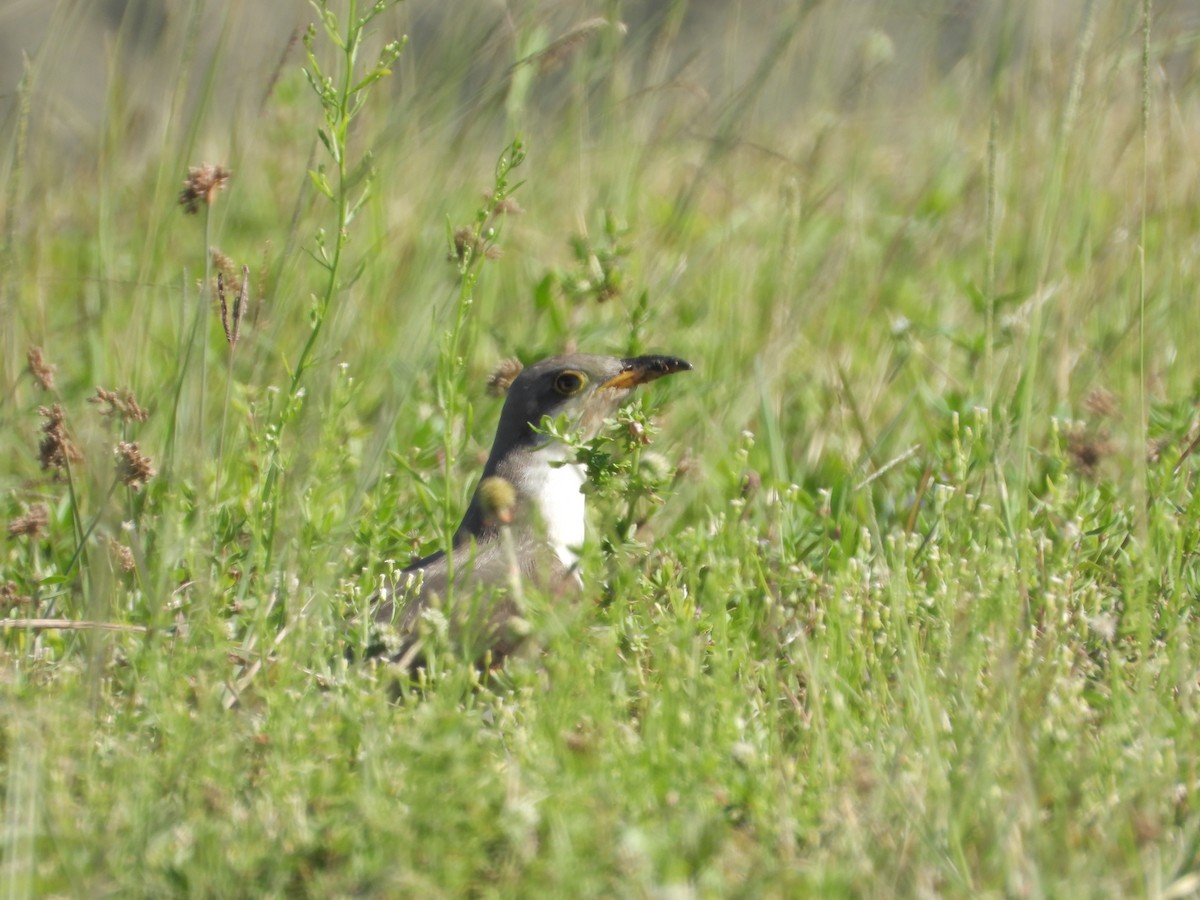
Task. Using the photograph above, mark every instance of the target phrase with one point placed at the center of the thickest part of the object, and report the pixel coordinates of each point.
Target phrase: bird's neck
(549, 487)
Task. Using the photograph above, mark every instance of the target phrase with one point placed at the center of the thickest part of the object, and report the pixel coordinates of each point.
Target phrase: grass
(917, 612)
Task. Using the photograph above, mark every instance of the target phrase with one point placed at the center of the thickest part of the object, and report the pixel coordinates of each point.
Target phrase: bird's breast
(555, 491)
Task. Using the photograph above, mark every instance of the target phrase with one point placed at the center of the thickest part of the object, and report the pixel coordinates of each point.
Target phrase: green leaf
(325, 139)
(320, 182)
(370, 79)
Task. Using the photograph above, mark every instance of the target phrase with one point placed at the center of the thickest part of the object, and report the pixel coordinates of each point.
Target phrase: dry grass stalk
(562, 48)
(70, 625)
(233, 324)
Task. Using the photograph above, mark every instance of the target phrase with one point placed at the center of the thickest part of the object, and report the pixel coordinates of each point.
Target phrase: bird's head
(583, 388)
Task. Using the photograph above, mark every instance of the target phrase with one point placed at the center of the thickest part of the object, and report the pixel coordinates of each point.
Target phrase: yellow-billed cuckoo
(526, 519)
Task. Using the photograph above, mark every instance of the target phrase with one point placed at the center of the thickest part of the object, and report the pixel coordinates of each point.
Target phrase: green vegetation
(917, 614)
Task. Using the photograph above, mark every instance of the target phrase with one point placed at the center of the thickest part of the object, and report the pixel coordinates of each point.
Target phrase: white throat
(554, 486)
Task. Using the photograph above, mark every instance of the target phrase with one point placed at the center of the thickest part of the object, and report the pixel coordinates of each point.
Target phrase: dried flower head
(122, 555)
(201, 186)
(503, 376)
(56, 449)
(119, 405)
(11, 597)
(42, 371)
(133, 469)
(1101, 403)
(223, 263)
(32, 524)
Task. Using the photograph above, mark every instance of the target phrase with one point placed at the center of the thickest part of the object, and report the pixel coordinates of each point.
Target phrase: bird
(526, 520)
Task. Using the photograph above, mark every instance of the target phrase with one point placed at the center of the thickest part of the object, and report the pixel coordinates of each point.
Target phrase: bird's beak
(641, 369)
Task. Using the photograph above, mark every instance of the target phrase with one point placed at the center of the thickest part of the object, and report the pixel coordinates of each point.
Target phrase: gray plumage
(546, 521)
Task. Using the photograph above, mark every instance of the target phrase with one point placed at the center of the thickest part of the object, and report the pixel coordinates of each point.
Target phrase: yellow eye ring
(569, 382)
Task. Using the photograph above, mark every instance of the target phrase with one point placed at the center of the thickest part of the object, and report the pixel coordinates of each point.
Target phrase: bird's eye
(569, 382)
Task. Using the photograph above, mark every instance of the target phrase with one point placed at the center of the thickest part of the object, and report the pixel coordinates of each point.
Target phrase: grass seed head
(33, 524)
(503, 376)
(119, 405)
(133, 468)
(11, 597)
(233, 323)
(567, 45)
(56, 450)
(122, 556)
(201, 186)
(223, 263)
(1101, 403)
(42, 371)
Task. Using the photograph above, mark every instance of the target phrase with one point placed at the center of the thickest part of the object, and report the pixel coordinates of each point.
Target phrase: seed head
(42, 371)
(122, 555)
(223, 263)
(233, 324)
(503, 376)
(201, 186)
(119, 405)
(56, 450)
(133, 469)
(32, 524)
(565, 46)
(1101, 403)
(11, 597)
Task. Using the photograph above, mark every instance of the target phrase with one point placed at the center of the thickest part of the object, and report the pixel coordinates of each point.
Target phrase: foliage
(894, 594)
